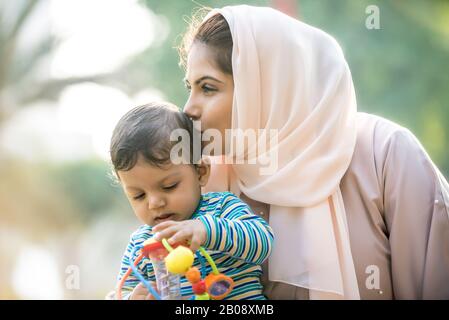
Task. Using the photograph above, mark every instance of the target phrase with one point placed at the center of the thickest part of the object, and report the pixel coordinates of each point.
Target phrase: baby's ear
(203, 169)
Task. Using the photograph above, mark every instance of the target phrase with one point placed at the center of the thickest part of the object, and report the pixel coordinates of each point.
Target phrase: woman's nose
(192, 110)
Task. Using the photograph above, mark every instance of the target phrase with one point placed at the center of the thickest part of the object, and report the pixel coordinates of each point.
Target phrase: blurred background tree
(398, 70)
(70, 207)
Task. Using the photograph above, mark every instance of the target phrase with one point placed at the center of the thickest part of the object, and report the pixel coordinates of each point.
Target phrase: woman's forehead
(201, 63)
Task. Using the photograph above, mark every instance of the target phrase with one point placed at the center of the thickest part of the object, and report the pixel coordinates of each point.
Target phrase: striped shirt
(238, 241)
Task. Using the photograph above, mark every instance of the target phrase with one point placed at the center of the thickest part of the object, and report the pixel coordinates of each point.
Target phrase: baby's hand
(140, 292)
(191, 231)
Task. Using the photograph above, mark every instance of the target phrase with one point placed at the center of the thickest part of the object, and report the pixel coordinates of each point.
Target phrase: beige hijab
(293, 77)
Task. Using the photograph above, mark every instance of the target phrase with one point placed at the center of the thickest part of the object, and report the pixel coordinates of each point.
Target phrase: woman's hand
(191, 231)
(140, 292)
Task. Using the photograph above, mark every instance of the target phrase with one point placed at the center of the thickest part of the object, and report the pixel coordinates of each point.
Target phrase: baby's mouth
(164, 217)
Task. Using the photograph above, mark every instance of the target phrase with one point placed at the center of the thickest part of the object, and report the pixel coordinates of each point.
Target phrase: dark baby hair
(214, 33)
(145, 131)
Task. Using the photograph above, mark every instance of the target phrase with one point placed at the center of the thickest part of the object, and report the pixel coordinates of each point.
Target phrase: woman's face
(211, 91)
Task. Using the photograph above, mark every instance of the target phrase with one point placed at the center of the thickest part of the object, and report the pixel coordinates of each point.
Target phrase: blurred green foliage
(89, 186)
(399, 71)
(42, 197)
(158, 66)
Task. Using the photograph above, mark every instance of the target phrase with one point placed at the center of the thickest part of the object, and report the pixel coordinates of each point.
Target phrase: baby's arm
(238, 231)
(232, 228)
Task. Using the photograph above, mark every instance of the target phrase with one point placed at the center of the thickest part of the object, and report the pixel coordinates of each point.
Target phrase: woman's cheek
(214, 119)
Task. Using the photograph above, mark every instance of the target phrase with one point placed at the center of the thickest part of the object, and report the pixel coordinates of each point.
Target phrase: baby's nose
(155, 203)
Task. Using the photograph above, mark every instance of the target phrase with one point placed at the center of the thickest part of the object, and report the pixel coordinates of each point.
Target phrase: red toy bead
(199, 287)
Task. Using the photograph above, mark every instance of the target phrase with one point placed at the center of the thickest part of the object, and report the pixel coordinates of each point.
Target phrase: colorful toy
(169, 264)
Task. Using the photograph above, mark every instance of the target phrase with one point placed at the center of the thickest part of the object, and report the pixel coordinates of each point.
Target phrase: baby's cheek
(186, 204)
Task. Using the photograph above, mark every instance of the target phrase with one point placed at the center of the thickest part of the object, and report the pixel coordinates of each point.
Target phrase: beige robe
(397, 217)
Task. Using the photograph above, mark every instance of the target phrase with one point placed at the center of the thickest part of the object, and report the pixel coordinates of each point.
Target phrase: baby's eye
(170, 187)
(188, 87)
(139, 197)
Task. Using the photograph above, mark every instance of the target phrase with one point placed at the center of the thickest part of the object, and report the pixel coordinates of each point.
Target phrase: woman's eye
(140, 196)
(206, 88)
(170, 187)
(188, 87)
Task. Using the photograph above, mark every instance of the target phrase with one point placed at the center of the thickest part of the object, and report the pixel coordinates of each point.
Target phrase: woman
(358, 208)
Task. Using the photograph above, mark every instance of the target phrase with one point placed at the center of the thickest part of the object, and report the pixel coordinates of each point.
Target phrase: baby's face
(161, 194)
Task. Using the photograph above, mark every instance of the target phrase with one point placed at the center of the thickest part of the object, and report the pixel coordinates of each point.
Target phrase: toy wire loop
(133, 268)
(218, 285)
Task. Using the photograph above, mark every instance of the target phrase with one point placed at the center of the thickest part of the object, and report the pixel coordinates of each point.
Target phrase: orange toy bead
(218, 286)
(193, 275)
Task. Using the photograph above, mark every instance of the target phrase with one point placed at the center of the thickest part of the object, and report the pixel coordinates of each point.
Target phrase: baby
(167, 199)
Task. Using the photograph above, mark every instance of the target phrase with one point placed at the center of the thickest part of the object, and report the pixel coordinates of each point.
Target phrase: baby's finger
(140, 288)
(139, 292)
(163, 225)
(166, 233)
(140, 285)
(180, 237)
(150, 296)
(195, 243)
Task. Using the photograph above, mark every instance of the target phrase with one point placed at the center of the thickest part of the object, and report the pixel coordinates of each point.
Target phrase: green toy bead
(204, 296)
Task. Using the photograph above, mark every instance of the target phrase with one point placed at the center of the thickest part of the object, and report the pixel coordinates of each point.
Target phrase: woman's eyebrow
(203, 78)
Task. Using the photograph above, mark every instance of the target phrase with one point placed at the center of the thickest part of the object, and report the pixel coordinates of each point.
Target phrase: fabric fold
(293, 78)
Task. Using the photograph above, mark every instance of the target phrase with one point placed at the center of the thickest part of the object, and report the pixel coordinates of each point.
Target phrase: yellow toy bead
(179, 260)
